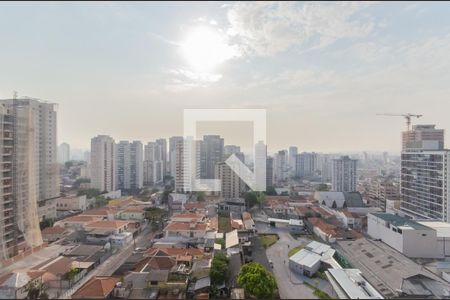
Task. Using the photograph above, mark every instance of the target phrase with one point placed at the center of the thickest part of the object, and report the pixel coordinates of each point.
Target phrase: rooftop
(108, 224)
(351, 284)
(400, 221)
(306, 258)
(96, 287)
(53, 230)
(442, 228)
(185, 226)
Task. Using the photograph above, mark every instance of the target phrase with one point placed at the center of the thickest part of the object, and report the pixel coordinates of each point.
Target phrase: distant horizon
(322, 70)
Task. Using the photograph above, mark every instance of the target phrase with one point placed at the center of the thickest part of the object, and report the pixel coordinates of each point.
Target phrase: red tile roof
(80, 219)
(53, 230)
(190, 206)
(174, 252)
(97, 287)
(107, 224)
(185, 226)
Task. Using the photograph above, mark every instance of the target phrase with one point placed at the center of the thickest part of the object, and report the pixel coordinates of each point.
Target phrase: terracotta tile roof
(214, 223)
(185, 226)
(107, 224)
(134, 209)
(190, 206)
(246, 216)
(56, 266)
(96, 287)
(174, 252)
(99, 212)
(79, 219)
(190, 215)
(53, 230)
(322, 225)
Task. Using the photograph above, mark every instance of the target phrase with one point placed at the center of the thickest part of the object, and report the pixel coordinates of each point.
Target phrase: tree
(322, 188)
(201, 196)
(219, 269)
(253, 198)
(36, 290)
(79, 181)
(270, 191)
(90, 193)
(257, 281)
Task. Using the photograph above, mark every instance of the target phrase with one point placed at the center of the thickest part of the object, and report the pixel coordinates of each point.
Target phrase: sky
(322, 70)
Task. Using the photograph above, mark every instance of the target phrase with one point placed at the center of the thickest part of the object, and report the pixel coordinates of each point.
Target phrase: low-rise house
(13, 285)
(103, 231)
(305, 262)
(349, 219)
(51, 234)
(184, 229)
(232, 205)
(75, 203)
(56, 272)
(249, 224)
(188, 217)
(119, 240)
(132, 213)
(78, 222)
(101, 213)
(98, 287)
(195, 207)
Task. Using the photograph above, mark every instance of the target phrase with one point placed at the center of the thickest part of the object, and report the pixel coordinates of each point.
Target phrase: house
(188, 217)
(232, 205)
(56, 272)
(75, 203)
(305, 262)
(101, 213)
(51, 234)
(249, 224)
(195, 207)
(132, 213)
(98, 287)
(102, 231)
(77, 222)
(349, 219)
(121, 239)
(13, 285)
(184, 229)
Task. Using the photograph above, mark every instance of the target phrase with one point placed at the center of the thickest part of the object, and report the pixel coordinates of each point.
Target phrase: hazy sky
(322, 70)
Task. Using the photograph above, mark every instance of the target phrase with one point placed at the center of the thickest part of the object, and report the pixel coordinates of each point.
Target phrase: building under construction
(29, 172)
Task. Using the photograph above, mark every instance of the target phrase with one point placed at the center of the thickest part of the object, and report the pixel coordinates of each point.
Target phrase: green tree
(201, 196)
(89, 192)
(270, 191)
(79, 181)
(219, 269)
(257, 281)
(36, 290)
(322, 188)
(254, 198)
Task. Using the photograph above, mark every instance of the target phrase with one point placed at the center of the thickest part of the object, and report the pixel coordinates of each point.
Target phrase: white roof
(442, 228)
(217, 246)
(317, 247)
(352, 285)
(231, 239)
(295, 222)
(305, 258)
(278, 220)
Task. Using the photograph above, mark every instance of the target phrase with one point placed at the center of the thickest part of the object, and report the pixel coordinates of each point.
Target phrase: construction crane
(407, 116)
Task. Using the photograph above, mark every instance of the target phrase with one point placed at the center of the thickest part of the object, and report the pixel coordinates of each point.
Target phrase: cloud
(267, 28)
(184, 79)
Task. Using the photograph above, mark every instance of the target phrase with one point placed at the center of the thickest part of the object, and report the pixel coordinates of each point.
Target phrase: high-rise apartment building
(155, 161)
(293, 151)
(211, 153)
(423, 137)
(305, 164)
(343, 177)
(232, 185)
(269, 171)
(103, 163)
(161, 154)
(63, 153)
(129, 166)
(30, 174)
(172, 153)
(425, 174)
(280, 166)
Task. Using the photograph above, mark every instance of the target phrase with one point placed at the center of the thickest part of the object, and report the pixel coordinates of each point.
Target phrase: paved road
(288, 287)
(109, 266)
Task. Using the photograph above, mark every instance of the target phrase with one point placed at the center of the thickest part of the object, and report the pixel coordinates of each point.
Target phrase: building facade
(30, 174)
(129, 166)
(63, 153)
(103, 163)
(343, 176)
(211, 153)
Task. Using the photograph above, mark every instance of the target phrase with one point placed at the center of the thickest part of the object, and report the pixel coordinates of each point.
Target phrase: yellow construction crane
(407, 116)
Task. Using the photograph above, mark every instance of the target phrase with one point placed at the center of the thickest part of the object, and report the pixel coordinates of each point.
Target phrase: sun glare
(205, 48)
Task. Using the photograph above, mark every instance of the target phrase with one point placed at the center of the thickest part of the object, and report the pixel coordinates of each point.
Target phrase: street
(109, 266)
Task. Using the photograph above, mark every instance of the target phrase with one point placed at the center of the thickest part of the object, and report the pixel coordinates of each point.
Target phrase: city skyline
(128, 71)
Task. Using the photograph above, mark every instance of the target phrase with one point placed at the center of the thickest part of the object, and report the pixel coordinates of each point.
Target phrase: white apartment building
(305, 164)
(424, 239)
(63, 153)
(343, 175)
(129, 166)
(292, 161)
(280, 166)
(30, 173)
(425, 174)
(172, 148)
(103, 163)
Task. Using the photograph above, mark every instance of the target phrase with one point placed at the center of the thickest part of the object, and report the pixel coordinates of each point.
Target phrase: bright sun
(205, 48)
